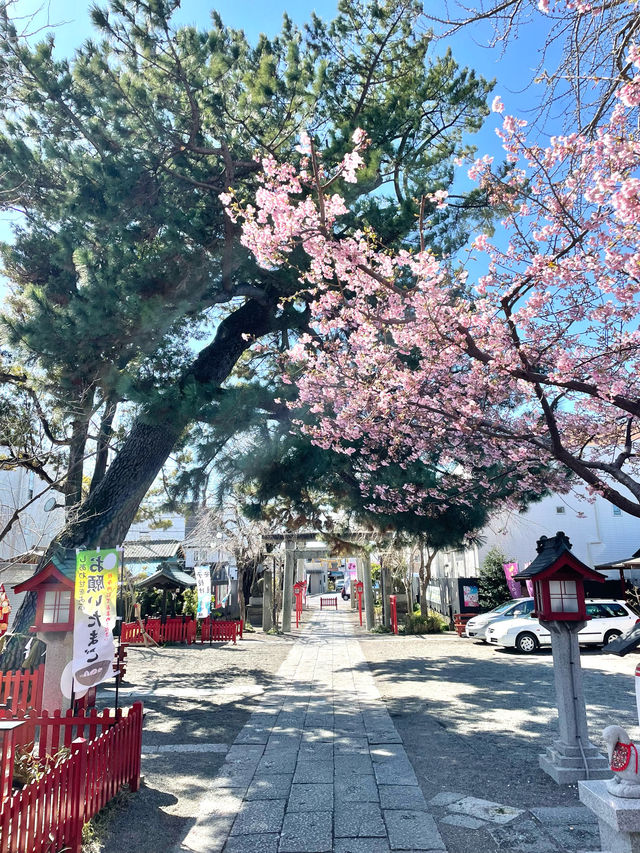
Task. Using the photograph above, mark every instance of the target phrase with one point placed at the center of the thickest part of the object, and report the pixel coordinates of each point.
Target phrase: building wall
(144, 530)
(599, 533)
(35, 527)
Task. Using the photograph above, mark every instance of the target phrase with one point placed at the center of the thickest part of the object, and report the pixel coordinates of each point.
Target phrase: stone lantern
(558, 584)
(54, 587)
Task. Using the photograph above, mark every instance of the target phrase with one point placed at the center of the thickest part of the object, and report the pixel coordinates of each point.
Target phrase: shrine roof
(555, 550)
(167, 576)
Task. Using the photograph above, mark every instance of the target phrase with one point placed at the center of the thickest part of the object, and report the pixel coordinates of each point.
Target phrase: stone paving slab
(253, 843)
(259, 816)
(310, 798)
(360, 820)
(412, 830)
(320, 767)
(270, 786)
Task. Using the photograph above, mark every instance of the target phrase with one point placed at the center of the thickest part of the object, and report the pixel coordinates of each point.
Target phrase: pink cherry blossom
(534, 360)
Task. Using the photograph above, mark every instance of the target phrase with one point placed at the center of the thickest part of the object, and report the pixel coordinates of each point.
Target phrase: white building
(147, 530)
(34, 527)
(598, 531)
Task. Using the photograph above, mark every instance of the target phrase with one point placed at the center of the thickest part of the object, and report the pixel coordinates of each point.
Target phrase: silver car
(477, 626)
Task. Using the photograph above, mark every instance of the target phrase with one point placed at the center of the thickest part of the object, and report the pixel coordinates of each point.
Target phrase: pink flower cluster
(539, 361)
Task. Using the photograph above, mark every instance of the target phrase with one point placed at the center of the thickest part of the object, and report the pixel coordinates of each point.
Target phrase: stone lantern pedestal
(572, 757)
(59, 653)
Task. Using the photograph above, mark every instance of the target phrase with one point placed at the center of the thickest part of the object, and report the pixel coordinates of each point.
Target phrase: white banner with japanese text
(203, 585)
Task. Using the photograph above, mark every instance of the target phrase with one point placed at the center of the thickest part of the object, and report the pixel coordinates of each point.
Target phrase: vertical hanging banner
(511, 569)
(203, 585)
(5, 610)
(95, 617)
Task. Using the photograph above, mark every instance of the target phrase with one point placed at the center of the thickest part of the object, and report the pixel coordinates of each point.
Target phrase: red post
(393, 602)
(136, 710)
(359, 588)
(79, 749)
(7, 750)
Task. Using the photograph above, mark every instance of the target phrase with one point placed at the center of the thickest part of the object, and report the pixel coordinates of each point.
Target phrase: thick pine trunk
(106, 515)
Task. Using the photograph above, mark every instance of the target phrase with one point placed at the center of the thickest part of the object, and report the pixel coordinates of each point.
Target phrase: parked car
(608, 619)
(476, 626)
(339, 585)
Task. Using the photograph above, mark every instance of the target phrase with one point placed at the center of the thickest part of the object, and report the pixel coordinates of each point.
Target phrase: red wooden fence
(175, 630)
(221, 630)
(20, 690)
(48, 815)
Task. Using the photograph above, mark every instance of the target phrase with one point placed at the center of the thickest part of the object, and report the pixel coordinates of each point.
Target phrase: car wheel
(526, 643)
(611, 635)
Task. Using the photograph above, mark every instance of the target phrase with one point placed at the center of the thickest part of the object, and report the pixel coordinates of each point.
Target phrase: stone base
(565, 764)
(618, 818)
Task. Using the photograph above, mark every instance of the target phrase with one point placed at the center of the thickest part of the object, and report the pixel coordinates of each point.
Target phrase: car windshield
(502, 607)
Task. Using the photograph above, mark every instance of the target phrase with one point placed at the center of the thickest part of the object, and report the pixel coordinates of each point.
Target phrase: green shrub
(431, 624)
(380, 629)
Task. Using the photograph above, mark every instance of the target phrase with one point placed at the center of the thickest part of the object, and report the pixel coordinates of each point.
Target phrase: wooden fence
(48, 815)
(221, 630)
(20, 690)
(175, 630)
(179, 630)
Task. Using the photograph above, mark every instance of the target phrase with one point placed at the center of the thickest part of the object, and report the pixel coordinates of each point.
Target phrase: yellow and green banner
(96, 593)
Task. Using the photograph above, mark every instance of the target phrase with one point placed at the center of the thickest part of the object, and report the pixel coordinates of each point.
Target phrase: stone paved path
(319, 766)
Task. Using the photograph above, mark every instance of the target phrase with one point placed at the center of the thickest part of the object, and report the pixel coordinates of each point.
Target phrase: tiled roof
(167, 576)
(143, 550)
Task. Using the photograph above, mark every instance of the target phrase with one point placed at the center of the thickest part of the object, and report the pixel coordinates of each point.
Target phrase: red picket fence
(175, 630)
(20, 690)
(221, 630)
(48, 815)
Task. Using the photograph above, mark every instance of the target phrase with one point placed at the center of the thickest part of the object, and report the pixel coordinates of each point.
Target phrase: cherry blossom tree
(535, 360)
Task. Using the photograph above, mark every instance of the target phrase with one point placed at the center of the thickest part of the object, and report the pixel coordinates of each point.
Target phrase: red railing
(221, 630)
(20, 690)
(48, 815)
(175, 630)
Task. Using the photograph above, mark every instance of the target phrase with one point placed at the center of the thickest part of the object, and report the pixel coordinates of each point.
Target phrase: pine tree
(124, 257)
(492, 587)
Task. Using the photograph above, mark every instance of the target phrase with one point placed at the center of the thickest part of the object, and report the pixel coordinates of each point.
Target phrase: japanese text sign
(203, 585)
(95, 602)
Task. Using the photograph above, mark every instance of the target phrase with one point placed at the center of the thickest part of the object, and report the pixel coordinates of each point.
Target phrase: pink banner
(511, 569)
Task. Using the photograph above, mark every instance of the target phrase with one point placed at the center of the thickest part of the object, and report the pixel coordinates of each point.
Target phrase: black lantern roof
(555, 553)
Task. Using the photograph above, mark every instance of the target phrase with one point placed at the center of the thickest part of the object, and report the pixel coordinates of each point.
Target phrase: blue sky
(513, 70)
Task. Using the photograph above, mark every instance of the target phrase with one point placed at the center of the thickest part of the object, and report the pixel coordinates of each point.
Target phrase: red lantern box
(558, 581)
(54, 586)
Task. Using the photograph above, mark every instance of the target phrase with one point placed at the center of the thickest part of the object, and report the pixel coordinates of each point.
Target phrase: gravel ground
(195, 694)
(474, 718)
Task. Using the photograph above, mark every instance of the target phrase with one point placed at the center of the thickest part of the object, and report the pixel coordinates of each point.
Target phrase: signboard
(511, 569)
(203, 585)
(95, 617)
(470, 596)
